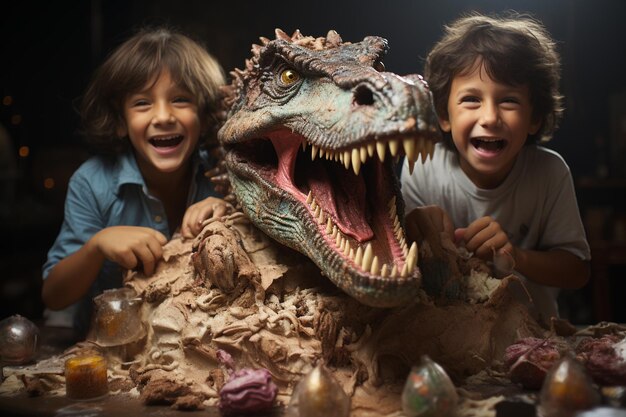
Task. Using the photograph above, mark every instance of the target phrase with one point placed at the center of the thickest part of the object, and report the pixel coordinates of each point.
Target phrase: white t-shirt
(535, 205)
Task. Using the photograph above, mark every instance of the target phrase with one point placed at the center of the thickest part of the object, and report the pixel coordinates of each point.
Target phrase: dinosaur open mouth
(350, 194)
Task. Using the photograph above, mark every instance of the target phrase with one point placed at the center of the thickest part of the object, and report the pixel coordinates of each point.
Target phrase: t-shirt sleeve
(82, 219)
(563, 228)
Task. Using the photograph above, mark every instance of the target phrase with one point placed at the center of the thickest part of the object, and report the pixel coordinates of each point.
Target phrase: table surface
(53, 341)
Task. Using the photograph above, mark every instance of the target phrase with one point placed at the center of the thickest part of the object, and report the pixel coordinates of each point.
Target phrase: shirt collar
(128, 171)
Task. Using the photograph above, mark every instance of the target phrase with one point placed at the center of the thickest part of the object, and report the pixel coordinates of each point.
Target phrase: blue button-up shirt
(104, 193)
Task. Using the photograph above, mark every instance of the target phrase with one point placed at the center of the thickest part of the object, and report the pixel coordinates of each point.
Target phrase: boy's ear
(444, 123)
(534, 126)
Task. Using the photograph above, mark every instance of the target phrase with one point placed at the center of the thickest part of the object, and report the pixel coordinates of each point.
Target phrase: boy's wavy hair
(514, 49)
(131, 67)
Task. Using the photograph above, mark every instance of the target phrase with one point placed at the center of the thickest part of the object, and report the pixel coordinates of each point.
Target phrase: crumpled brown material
(232, 288)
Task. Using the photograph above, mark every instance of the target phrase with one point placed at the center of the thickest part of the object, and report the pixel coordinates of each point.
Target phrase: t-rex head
(313, 131)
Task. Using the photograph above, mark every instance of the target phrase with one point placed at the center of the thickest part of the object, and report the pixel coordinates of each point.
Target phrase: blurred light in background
(24, 151)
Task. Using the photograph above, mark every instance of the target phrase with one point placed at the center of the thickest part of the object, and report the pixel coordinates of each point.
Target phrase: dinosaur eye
(379, 66)
(289, 76)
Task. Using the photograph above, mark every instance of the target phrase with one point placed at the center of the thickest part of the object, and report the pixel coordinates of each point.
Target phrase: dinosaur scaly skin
(312, 131)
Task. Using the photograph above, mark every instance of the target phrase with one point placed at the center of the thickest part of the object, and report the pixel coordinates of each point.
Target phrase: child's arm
(556, 268)
(129, 246)
(200, 211)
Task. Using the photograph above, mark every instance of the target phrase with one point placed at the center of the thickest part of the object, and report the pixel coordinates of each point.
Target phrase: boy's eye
(469, 99)
(510, 103)
(140, 103)
(182, 100)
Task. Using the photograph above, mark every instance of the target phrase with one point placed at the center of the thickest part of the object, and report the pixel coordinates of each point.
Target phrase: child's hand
(485, 238)
(131, 246)
(197, 213)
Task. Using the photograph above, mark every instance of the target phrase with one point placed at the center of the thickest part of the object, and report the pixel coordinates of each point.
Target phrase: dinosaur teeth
(363, 152)
(381, 148)
(394, 146)
(430, 148)
(374, 268)
(411, 258)
(409, 148)
(314, 150)
(329, 226)
(368, 258)
(356, 160)
(320, 215)
(414, 149)
(358, 257)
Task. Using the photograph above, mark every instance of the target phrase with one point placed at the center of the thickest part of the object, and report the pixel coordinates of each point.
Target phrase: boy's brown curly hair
(131, 66)
(514, 49)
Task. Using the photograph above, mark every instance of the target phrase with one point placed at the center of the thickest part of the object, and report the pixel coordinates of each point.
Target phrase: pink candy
(247, 390)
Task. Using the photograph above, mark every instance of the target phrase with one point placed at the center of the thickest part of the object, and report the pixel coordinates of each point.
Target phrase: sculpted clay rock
(234, 289)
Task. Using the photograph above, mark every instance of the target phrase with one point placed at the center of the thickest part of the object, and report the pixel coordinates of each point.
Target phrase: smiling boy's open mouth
(492, 145)
(166, 141)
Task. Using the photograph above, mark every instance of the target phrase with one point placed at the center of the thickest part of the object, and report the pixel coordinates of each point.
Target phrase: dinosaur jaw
(348, 197)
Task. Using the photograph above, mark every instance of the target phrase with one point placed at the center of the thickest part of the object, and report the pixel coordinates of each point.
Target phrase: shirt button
(158, 219)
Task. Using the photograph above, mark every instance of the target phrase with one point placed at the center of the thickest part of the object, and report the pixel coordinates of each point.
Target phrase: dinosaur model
(313, 128)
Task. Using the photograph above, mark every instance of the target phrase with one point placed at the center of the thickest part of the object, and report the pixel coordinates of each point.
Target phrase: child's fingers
(156, 248)
(220, 209)
(160, 237)
(459, 234)
(187, 221)
(147, 258)
(192, 222)
(126, 259)
(185, 230)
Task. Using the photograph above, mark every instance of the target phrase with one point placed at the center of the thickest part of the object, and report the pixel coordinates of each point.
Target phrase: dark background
(49, 51)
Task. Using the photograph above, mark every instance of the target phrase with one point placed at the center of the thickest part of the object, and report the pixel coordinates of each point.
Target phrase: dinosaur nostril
(363, 96)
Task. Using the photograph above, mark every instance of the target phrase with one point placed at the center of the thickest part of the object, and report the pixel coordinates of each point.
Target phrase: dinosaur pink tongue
(338, 191)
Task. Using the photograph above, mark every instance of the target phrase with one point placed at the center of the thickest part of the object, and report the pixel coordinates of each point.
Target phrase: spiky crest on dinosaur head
(240, 77)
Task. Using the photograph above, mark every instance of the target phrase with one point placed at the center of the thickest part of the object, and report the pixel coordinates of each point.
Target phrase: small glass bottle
(86, 377)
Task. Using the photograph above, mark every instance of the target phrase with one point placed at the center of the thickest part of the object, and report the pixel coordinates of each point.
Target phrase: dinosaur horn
(280, 34)
(264, 40)
(237, 73)
(296, 35)
(333, 38)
